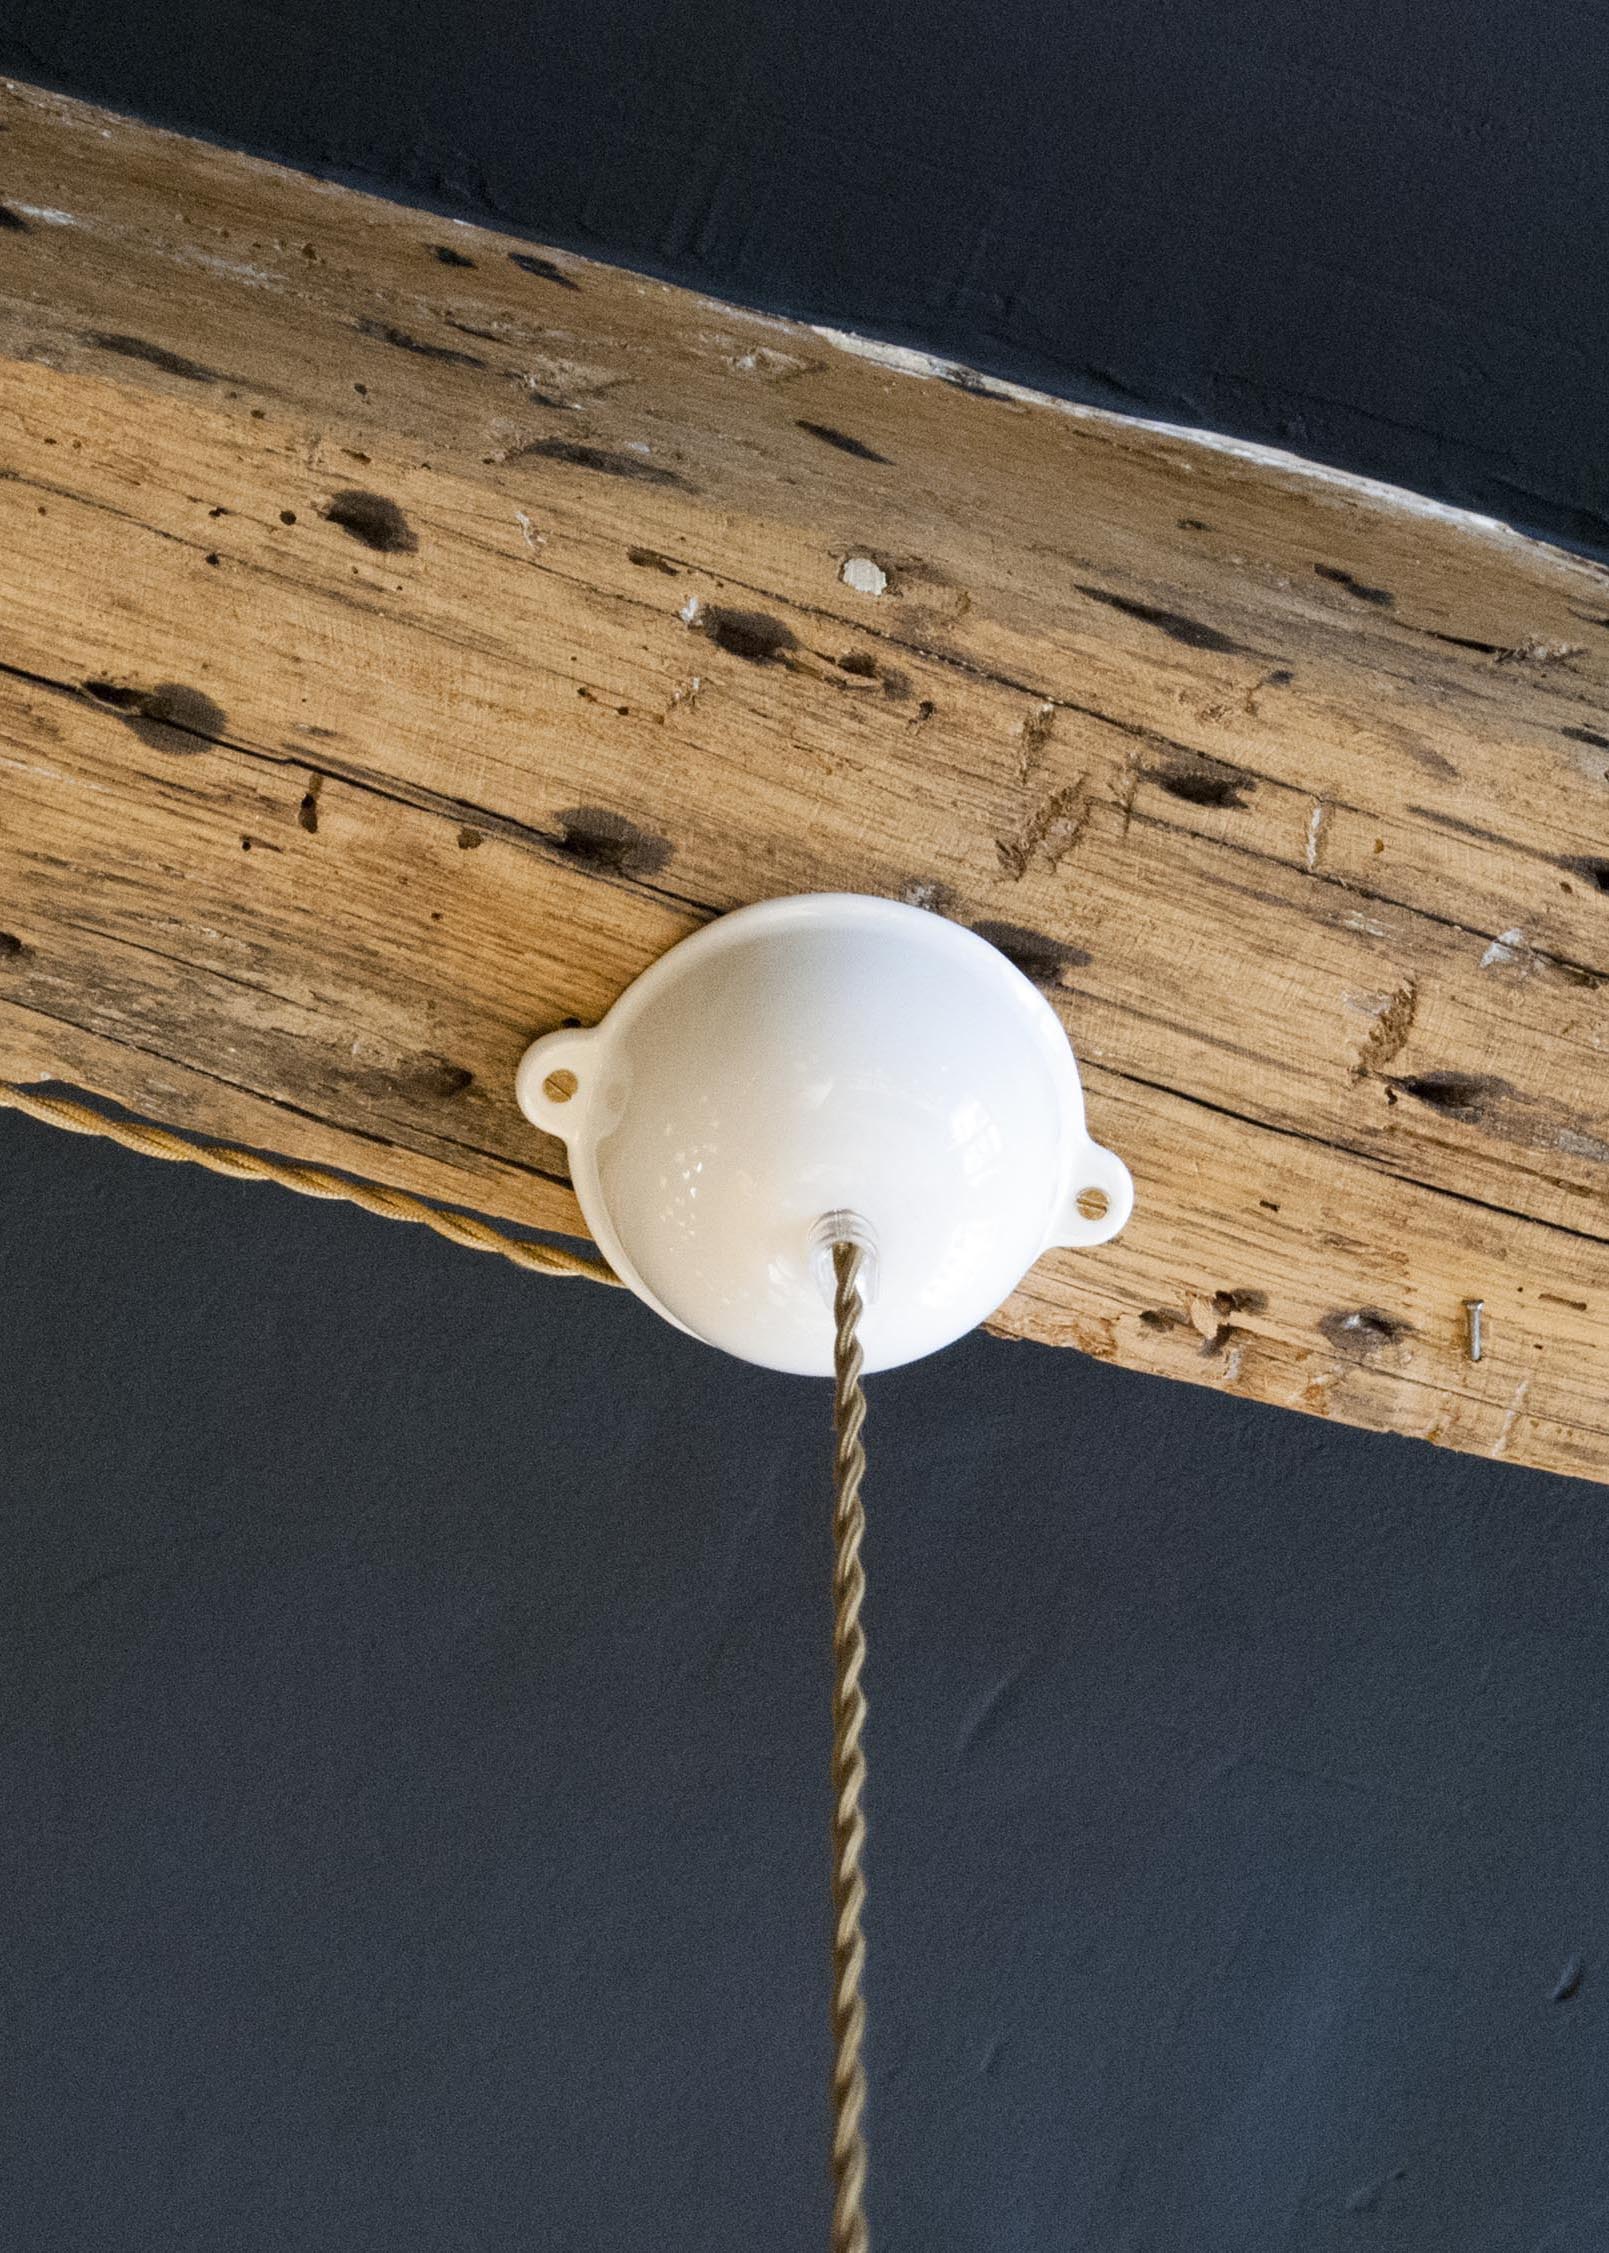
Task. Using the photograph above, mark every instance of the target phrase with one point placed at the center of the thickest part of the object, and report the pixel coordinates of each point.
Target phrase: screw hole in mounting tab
(552, 1084)
(1097, 1201)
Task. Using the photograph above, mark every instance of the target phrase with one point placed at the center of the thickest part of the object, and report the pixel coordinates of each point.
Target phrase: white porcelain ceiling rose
(822, 1056)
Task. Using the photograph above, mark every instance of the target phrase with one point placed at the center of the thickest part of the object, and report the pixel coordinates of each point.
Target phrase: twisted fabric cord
(308, 1181)
(849, 2232)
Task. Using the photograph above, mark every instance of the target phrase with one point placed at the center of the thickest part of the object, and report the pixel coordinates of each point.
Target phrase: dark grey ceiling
(413, 1737)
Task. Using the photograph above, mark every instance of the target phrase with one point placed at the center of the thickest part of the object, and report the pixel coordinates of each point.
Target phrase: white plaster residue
(258, 275)
(899, 359)
(1315, 833)
(528, 533)
(638, 446)
(1509, 946)
(1512, 1414)
(770, 365)
(691, 612)
(865, 576)
(751, 319)
(46, 215)
(1534, 652)
(51, 774)
(1575, 1145)
(1369, 925)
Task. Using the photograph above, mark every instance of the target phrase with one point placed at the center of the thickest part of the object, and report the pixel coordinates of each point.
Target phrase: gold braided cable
(308, 1181)
(849, 2231)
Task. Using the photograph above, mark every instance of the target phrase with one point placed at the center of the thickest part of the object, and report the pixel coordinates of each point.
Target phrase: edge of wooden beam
(540, 584)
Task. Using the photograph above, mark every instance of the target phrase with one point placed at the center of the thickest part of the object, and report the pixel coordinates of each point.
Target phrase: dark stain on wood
(543, 268)
(1531, 652)
(1200, 780)
(12, 949)
(1595, 871)
(1190, 631)
(1458, 826)
(753, 635)
(1457, 1095)
(469, 839)
(607, 843)
(1463, 641)
(650, 559)
(605, 460)
(1359, 1332)
(488, 336)
(153, 355)
(373, 519)
(861, 665)
(842, 441)
(12, 222)
(1586, 735)
(1427, 756)
(449, 256)
(169, 717)
(307, 812)
(435, 1077)
(1034, 953)
(1164, 1318)
(1381, 597)
(385, 332)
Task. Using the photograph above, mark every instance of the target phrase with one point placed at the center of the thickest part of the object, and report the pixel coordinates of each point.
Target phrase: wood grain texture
(408, 634)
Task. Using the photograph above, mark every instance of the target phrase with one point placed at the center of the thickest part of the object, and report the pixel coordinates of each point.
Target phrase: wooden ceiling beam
(407, 634)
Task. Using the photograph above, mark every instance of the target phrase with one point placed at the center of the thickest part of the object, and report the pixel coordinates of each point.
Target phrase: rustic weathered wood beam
(407, 634)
